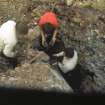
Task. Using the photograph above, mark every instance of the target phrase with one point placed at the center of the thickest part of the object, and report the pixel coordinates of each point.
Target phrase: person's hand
(44, 44)
(52, 42)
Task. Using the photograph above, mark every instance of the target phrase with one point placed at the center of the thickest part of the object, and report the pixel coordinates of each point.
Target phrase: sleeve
(36, 45)
(8, 50)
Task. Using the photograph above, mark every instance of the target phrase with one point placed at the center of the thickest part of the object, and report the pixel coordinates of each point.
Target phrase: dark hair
(48, 28)
(69, 52)
(21, 27)
(57, 48)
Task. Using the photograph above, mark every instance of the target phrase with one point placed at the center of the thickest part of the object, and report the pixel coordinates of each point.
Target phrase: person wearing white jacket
(8, 38)
(67, 59)
(9, 32)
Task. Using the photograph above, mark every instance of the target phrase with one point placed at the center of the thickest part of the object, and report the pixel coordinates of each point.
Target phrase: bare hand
(45, 44)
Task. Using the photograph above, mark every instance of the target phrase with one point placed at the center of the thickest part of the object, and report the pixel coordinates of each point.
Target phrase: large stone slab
(39, 76)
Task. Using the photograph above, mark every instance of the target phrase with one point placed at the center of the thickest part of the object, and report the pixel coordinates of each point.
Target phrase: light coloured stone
(69, 2)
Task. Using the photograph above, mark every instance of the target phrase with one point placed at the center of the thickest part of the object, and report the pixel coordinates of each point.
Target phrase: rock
(99, 4)
(33, 33)
(39, 56)
(69, 2)
(96, 4)
(42, 57)
(35, 76)
(13, 9)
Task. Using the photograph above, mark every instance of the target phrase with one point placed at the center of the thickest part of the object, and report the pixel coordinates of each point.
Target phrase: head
(69, 52)
(48, 29)
(21, 28)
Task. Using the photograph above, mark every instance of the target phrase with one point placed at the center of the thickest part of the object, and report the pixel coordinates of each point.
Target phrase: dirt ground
(82, 28)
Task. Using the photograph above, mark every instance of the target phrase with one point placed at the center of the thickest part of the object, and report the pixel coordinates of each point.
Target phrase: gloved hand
(51, 43)
(44, 44)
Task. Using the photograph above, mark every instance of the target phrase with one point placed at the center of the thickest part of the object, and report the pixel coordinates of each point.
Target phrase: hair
(48, 28)
(69, 52)
(21, 27)
(57, 48)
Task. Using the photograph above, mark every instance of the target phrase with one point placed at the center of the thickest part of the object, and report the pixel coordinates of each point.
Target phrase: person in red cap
(49, 40)
(48, 25)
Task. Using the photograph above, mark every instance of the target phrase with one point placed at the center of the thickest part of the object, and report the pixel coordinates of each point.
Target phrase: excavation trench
(84, 30)
(76, 77)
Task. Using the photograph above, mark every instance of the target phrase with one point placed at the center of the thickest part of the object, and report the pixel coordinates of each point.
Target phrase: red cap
(48, 17)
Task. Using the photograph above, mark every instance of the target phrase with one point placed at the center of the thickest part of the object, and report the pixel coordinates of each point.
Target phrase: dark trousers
(50, 50)
(7, 63)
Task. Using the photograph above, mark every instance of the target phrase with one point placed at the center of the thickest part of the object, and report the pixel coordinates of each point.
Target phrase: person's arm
(8, 50)
(44, 43)
(52, 42)
(54, 35)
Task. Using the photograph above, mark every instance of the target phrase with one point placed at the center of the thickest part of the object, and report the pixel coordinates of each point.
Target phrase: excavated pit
(81, 28)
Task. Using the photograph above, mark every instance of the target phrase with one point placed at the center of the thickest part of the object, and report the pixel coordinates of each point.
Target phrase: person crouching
(48, 31)
(9, 32)
(67, 59)
(49, 28)
(49, 40)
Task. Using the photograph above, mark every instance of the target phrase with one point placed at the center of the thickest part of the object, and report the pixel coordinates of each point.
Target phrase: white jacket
(68, 64)
(8, 38)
